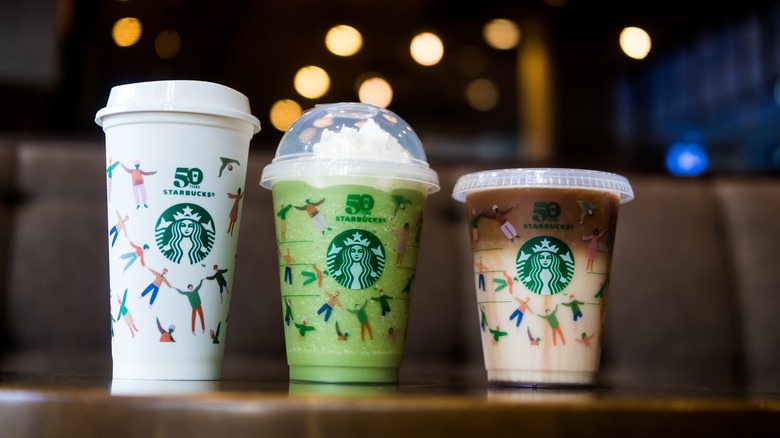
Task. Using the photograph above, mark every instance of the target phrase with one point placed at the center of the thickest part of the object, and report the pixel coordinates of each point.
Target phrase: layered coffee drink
(541, 259)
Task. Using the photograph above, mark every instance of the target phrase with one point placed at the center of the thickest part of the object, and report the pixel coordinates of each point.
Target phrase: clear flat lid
(350, 139)
(543, 178)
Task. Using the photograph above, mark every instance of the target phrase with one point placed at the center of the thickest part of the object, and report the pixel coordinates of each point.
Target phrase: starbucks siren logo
(185, 231)
(545, 265)
(356, 259)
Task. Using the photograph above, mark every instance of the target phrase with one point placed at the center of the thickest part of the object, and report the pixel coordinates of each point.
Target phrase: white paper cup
(176, 154)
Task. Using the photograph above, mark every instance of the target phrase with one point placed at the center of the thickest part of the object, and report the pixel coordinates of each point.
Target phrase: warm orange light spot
(126, 31)
(284, 112)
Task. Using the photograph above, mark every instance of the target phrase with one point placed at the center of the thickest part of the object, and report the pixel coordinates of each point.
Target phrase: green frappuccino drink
(349, 186)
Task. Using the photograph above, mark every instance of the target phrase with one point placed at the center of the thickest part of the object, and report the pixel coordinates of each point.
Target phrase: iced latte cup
(542, 243)
(349, 185)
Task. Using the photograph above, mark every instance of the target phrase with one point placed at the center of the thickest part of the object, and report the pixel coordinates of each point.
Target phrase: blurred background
(686, 88)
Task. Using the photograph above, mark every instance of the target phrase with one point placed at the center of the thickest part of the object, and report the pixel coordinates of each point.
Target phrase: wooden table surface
(86, 405)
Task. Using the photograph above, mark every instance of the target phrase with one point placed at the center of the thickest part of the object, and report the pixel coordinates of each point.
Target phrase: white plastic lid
(179, 96)
(350, 139)
(543, 178)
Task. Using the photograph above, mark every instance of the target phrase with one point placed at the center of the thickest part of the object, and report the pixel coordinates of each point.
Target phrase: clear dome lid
(350, 139)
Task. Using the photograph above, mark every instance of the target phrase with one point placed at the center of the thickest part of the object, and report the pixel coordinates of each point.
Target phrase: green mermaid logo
(185, 231)
(356, 259)
(545, 265)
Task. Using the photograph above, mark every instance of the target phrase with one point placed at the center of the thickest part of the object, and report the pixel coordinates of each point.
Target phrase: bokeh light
(482, 94)
(501, 34)
(284, 112)
(343, 40)
(375, 90)
(312, 82)
(427, 49)
(686, 159)
(167, 44)
(635, 42)
(126, 31)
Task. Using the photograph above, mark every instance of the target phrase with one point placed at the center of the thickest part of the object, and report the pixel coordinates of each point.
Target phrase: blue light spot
(686, 159)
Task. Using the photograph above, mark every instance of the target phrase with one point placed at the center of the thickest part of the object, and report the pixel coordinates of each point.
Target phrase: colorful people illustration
(219, 277)
(283, 220)
(236, 197)
(362, 316)
(575, 307)
(124, 314)
(215, 334)
(384, 304)
(120, 226)
(501, 217)
(593, 246)
(193, 295)
(356, 264)
(317, 219)
(311, 277)
(507, 281)
(481, 268)
(475, 225)
(545, 267)
(391, 334)
(400, 203)
(522, 308)
(135, 254)
(110, 176)
(227, 163)
(482, 318)
(510, 281)
(341, 336)
(588, 209)
(165, 335)
(555, 325)
(333, 301)
(137, 177)
(154, 286)
(185, 229)
(497, 334)
(318, 274)
(408, 286)
(288, 261)
(584, 339)
(303, 328)
(403, 240)
(534, 340)
(288, 315)
(600, 293)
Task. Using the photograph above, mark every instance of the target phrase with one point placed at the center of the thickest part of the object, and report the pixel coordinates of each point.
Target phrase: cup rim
(543, 177)
(301, 169)
(183, 96)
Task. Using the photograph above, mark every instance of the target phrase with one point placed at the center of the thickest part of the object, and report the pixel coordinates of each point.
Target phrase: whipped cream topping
(368, 141)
